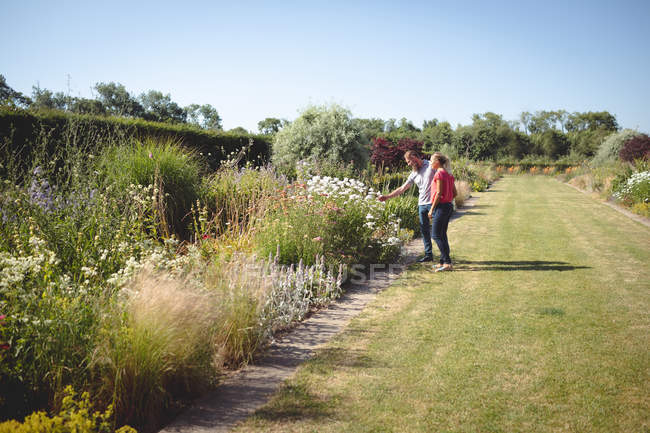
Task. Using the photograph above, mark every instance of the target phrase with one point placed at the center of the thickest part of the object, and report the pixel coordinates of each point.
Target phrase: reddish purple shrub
(390, 156)
(635, 148)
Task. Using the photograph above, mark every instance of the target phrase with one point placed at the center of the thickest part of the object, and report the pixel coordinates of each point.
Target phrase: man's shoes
(425, 259)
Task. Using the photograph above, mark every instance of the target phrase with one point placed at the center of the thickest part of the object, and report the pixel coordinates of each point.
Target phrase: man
(420, 176)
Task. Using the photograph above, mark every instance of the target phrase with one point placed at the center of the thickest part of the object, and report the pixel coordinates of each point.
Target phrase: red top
(447, 193)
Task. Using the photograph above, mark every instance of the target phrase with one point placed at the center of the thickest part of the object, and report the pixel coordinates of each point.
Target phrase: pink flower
(317, 239)
(2, 317)
(150, 155)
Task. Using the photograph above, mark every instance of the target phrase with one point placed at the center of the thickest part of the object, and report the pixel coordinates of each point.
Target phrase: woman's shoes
(443, 268)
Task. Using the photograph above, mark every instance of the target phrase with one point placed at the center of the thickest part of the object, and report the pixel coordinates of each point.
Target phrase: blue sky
(413, 59)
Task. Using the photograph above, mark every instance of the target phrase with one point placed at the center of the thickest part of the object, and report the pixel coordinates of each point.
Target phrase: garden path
(250, 388)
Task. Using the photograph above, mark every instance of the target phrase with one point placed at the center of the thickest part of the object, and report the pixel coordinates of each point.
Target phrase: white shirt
(422, 179)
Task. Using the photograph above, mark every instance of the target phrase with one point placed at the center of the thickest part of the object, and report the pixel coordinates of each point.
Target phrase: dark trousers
(425, 228)
(441, 215)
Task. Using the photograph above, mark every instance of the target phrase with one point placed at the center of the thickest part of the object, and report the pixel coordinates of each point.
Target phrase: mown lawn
(544, 326)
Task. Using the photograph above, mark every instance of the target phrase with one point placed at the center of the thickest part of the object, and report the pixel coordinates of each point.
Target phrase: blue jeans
(441, 215)
(425, 228)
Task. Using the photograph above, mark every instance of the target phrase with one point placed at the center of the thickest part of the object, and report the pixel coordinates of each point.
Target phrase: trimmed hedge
(21, 132)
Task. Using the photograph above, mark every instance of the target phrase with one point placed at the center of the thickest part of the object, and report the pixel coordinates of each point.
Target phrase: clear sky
(413, 59)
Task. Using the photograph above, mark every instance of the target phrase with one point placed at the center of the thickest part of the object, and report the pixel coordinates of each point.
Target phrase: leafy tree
(390, 125)
(161, 108)
(87, 106)
(10, 96)
(118, 101)
(586, 143)
(271, 125)
(554, 143)
(437, 135)
(204, 116)
(429, 124)
(239, 130)
(370, 128)
(43, 99)
(591, 120)
(321, 132)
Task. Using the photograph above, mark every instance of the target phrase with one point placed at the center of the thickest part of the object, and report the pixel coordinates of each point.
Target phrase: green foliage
(405, 210)
(75, 416)
(322, 217)
(204, 116)
(438, 135)
(118, 101)
(611, 146)
(237, 196)
(636, 189)
(553, 143)
(23, 133)
(160, 108)
(271, 125)
(321, 132)
(173, 171)
(11, 97)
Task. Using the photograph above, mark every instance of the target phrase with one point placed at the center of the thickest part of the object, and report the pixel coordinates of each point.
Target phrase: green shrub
(612, 144)
(235, 197)
(320, 132)
(173, 171)
(341, 220)
(58, 248)
(405, 209)
(23, 132)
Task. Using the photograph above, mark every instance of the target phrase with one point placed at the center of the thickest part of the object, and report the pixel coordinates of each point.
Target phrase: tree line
(551, 134)
(114, 100)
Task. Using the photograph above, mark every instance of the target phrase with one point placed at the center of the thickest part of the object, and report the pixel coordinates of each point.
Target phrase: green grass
(542, 327)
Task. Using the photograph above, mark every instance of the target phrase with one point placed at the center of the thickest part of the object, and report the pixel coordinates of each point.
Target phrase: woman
(443, 190)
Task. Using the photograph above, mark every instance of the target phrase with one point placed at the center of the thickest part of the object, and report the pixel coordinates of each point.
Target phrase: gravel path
(250, 388)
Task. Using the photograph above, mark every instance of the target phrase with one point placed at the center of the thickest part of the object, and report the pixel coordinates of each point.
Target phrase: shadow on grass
(295, 402)
(515, 265)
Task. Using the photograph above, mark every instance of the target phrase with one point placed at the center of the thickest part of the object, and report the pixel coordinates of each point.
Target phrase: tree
(591, 121)
(370, 128)
(554, 143)
(321, 133)
(429, 124)
(118, 101)
(161, 108)
(437, 135)
(87, 106)
(270, 125)
(10, 96)
(239, 130)
(204, 116)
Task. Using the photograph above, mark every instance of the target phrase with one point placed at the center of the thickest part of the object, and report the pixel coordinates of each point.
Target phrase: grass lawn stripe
(542, 327)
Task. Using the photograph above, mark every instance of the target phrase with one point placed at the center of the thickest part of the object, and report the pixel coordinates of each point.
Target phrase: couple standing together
(436, 191)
